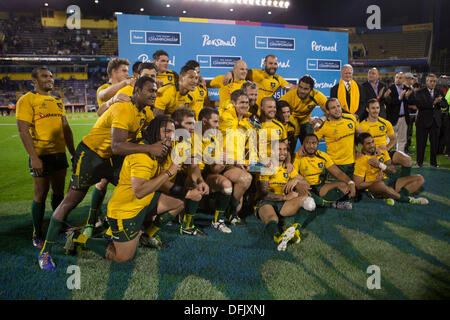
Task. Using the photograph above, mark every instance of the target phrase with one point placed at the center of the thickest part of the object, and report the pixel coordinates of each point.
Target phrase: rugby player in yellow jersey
(221, 188)
(381, 128)
(98, 194)
(281, 195)
(200, 94)
(143, 190)
(239, 139)
(161, 60)
(372, 170)
(45, 134)
(293, 130)
(191, 174)
(314, 164)
(117, 71)
(339, 134)
(239, 74)
(173, 96)
(100, 154)
(303, 101)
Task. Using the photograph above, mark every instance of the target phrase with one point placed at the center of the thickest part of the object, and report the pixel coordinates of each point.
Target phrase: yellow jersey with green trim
(364, 170)
(313, 169)
(225, 90)
(123, 203)
(272, 130)
(340, 139)
(102, 87)
(292, 127)
(236, 136)
(168, 77)
(278, 180)
(301, 108)
(121, 115)
(267, 84)
(128, 90)
(379, 130)
(44, 113)
(199, 95)
(169, 99)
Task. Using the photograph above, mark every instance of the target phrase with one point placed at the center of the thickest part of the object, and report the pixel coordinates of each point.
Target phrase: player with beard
(173, 96)
(277, 202)
(371, 173)
(45, 134)
(314, 164)
(143, 189)
(100, 155)
(303, 101)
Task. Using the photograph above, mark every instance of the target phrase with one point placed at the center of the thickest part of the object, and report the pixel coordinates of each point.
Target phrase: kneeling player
(371, 170)
(137, 194)
(313, 164)
(276, 203)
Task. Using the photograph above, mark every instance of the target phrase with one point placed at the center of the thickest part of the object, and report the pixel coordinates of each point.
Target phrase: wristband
(323, 118)
(168, 173)
(382, 166)
(351, 182)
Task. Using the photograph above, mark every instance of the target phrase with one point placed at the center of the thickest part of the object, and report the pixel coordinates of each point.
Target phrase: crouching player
(314, 164)
(143, 187)
(282, 195)
(370, 173)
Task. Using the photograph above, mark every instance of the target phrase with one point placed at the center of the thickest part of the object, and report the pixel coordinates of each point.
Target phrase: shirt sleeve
(360, 168)
(389, 129)
(162, 99)
(121, 116)
(283, 83)
(24, 110)
(217, 82)
(141, 167)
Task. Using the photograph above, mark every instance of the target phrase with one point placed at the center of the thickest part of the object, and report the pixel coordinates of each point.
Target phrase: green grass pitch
(409, 244)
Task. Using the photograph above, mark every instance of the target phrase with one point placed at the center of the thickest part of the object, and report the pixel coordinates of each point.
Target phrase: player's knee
(406, 161)
(420, 179)
(245, 179)
(309, 204)
(227, 187)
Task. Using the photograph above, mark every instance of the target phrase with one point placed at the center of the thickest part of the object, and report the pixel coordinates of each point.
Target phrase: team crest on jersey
(382, 128)
(273, 84)
(169, 78)
(320, 165)
(350, 126)
(286, 175)
(60, 105)
(381, 160)
(202, 93)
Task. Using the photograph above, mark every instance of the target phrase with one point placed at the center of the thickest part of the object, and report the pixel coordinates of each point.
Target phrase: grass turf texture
(409, 243)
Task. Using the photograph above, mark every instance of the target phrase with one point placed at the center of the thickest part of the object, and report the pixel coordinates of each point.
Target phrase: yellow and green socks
(54, 229)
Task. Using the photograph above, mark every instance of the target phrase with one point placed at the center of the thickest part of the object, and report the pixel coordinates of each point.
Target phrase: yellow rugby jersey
(301, 109)
(271, 131)
(267, 84)
(102, 87)
(123, 203)
(313, 169)
(225, 91)
(340, 139)
(44, 113)
(128, 90)
(122, 115)
(364, 170)
(292, 127)
(278, 180)
(378, 130)
(169, 99)
(199, 95)
(229, 121)
(168, 77)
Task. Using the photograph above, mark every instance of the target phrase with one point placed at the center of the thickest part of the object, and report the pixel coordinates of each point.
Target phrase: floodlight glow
(286, 5)
(251, 2)
(275, 3)
(269, 2)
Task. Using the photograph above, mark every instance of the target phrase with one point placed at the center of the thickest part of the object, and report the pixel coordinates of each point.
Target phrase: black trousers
(422, 134)
(444, 135)
(409, 133)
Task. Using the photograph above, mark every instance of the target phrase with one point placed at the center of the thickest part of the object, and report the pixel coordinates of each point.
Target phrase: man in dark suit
(429, 101)
(373, 88)
(397, 109)
(347, 83)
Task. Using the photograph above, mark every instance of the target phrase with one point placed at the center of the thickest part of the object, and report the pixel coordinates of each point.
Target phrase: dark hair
(135, 67)
(193, 63)
(236, 94)
(310, 135)
(141, 81)
(269, 56)
(115, 63)
(35, 72)
(206, 113)
(152, 133)
(329, 100)
(159, 53)
(308, 80)
(146, 65)
(362, 137)
(179, 114)
(370, 101)
(186, 68)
